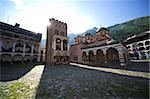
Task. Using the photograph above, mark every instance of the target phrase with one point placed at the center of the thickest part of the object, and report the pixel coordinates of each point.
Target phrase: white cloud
(18, 3)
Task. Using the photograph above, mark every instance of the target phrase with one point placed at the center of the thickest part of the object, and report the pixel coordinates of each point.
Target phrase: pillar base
(122, 64)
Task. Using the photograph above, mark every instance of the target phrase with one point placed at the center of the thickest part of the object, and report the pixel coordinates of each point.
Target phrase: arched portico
(112, 55)
(6, 58)
(18, 58)
(19, 46)
(91, 56)
(84, 56)
(7, 45)
(27, 58)
(35, 58)
(100, 56)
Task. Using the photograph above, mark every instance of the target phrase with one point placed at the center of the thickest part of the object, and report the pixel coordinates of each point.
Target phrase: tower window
(58, 44)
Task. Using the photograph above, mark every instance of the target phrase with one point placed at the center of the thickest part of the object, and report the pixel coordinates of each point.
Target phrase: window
(56, 32)
(41, 51)
(147, 42)
(58, 44)
(148, 47)
(128, 47)
(64, 45)
(75, 57)
(131, 55)
(140, 44)
(141, 48)
(62, 33)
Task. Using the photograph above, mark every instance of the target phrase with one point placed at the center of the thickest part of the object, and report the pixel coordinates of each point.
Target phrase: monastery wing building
(18, 45)
(98, 49)
(139, 46)
(57, 43)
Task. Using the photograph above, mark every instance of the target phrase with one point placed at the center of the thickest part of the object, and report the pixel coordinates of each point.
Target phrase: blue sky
(80, 15)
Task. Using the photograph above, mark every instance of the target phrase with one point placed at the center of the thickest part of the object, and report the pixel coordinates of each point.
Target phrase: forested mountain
(132, 27)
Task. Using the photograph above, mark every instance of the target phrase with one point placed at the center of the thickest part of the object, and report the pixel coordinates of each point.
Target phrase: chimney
(17, 25)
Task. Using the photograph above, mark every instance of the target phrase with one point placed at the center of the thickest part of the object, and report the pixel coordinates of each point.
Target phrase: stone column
(140, 57)
(32, 48)
(147, 55)
(24, 48)
(61, 44)
(87, 56)
(1, 45)
(121, 57)
(105, 57)
(94, 51)
(54, 44)
(13, 50)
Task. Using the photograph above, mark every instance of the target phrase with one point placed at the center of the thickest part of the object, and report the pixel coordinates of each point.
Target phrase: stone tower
(57, 43)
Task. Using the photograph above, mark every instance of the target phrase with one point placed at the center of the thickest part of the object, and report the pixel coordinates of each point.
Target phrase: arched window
(147, 42)
(6, 58)
(64, 45)
(128, 47)
(7, 45)
(140, 44)
(19, 46)
(28, 48)
(56, 32)
(141, 48)
(58, 44)
(148, 47)
(62, 33)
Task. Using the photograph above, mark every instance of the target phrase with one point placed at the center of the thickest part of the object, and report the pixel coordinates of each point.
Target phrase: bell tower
(57, 43)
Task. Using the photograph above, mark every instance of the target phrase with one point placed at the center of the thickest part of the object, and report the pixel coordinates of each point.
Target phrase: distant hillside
(43, 43)
(124, 30)
(91, 31)
(71, 38)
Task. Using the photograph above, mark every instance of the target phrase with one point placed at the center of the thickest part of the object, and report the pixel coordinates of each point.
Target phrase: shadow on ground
(70, 82)
(14, 71)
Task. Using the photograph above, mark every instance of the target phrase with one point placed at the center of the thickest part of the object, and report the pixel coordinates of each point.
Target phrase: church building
(98, 49)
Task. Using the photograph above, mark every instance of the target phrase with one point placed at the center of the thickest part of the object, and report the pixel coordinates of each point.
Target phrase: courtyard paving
(73, 82)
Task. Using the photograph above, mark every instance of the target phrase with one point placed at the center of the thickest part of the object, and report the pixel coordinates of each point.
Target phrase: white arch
(6, 58)
(27, 57)
(18, 57)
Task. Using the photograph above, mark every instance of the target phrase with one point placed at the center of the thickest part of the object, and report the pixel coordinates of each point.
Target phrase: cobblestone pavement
(117, 71)
(79, 83)
(71, 82)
